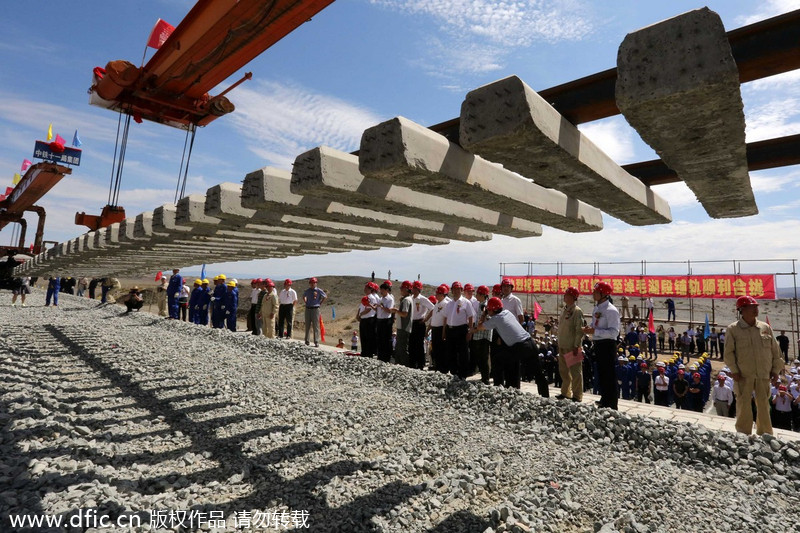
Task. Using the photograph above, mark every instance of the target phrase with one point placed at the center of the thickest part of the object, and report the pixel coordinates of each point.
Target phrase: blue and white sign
(70, 156)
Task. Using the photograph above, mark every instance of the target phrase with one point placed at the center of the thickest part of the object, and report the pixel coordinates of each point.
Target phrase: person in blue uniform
(53, 288)
(696, 393)
(194, 299)
(644, 383)
(218, 299)
(174, 293)
(204, 302)
(231, 305)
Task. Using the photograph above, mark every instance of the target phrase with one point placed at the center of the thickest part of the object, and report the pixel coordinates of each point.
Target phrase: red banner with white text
(759, 286)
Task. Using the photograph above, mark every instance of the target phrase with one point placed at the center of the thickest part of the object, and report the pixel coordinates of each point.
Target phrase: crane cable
(180, 187)
(116, 168)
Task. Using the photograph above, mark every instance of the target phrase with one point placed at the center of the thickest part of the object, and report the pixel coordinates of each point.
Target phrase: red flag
(25, 165)
(161, 31)
(321, 329)
(537, 309)
(8, 190)
(159, 275)
(651, 323)
(60, 140)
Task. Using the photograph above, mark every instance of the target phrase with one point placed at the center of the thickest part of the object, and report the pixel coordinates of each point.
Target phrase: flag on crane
(50, 132)
(161, 32)
(25, 165)
(76, 141)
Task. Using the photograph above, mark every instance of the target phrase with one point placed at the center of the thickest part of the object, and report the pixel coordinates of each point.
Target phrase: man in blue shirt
(313, 298)
(174, 292)
(231, 305)
(519, 342)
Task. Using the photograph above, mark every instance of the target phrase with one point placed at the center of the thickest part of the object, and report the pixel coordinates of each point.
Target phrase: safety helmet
(572, 291)
(417, 285)
(456, 285)
(643, 365)
(235, 281)
(205, 281)
(620, 358)
(287, 281)
(223, 277)
(198, 282)
(388, 283)
(696, 375)
(313, 280)
(365, 301)
(635, 345)
(631, 358)
(603, 288)
(406, 285)
(782, 388)
(494, 304)
(432, 299)
(621, 350)
(661, 369)
(231, 284)
(483, 289)
(721, 377)
(442, 289)
(681, 372)
(507, 281)
(269, 282)
(469, 287)
(744, 301)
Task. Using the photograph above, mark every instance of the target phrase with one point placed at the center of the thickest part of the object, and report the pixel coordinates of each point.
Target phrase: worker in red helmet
(605, 330)
(385, 322)
(421, 309)
(367, 320)
(313, 298)
(570, 355)
(754, 357)
(287, 299)
(404, 312)
(459, 319)
(438, 345)
(268, 308)
(480, 341)
(497, 290)
(520, 345)
(499, 360)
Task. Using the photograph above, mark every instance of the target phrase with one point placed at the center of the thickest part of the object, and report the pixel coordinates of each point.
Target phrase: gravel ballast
(128, 414)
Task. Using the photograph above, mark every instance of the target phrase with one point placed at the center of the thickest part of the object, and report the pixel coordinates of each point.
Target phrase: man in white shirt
(421, 306)
(367, 320)
(722, 396)
(253, 324)
(384, 325)
(458, 318)
(511, 303)
(604, 331)
(438, 345)
(287, 299)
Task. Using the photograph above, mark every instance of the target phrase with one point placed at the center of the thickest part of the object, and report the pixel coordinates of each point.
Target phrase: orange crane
(214, 40)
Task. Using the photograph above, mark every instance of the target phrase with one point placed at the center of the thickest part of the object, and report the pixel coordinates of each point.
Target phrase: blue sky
(360, 62)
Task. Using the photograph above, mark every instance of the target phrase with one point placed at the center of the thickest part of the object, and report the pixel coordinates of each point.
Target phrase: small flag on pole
(333, 313)
(50, 132)
(321, 328)
(161, 32)
(159, 275)
(537, 309)
(651, 323)
(16, 179)
(76, 141)
(707, 329)
(60, 140)
(203, 272)
(25, 165)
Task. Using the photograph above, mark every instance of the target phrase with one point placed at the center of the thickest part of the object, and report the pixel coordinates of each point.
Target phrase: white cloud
(281, 121)
(768, 9)
(478, 35)
(677, 194)
(776, 118)
(614, 137)
(511, 24)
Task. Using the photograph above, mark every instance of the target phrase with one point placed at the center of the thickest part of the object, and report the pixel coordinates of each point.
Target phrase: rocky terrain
(135, 415)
